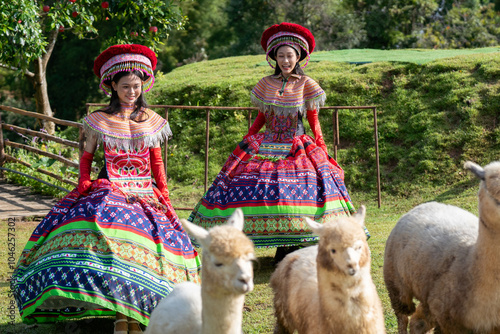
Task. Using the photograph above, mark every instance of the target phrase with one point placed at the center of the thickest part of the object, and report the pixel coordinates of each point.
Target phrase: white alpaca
(328, 288)
(227, 275)
(449, 260)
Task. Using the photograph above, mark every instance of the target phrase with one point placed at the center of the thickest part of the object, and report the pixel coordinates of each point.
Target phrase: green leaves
(21, 39)
(462, 27)
(25, 26)
(43, 162)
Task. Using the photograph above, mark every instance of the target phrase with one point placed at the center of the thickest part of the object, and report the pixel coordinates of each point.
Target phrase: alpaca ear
(237, 219)
(475, 169)
(359, 216)
(199, 233)
(314, 226)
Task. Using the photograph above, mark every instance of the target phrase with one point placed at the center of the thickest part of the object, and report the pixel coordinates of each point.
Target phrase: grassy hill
(432, 115)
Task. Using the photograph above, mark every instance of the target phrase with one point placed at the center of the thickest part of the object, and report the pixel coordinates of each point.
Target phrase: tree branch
(9, 67)
(12, 68)
(50, 47)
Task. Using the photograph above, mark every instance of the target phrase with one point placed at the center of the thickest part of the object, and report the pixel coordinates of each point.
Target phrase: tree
(462, 27)
(191, 44)
(29, 30)
(390, 22)
(226, 28)
(428, 23)
(247, 19)
(334, 23)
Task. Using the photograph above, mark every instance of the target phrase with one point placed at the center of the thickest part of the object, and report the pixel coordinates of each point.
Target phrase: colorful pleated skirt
(101, 254)
(276, 185)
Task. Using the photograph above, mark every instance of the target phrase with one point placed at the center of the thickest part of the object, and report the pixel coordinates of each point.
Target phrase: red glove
(159, 172)
(84, 182)
(259, 122)
(312, 118)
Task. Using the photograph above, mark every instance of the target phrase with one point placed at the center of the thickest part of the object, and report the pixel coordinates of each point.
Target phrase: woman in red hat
(113, 246)
(282, 174)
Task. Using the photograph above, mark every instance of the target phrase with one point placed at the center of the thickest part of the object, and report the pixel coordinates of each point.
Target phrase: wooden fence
(165, 108)
(8, 158)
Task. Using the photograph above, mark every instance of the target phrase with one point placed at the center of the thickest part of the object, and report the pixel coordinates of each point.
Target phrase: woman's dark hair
(114, 103)
(296, 70)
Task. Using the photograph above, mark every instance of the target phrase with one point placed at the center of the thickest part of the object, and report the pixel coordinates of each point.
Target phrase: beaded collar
(298, 93)
(118, 130)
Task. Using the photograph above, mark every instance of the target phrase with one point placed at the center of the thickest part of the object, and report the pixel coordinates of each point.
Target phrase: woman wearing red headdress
(113, 245)
(282, 174)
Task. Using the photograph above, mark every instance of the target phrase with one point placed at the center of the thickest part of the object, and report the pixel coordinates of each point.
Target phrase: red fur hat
(288, 34)
(125, 57)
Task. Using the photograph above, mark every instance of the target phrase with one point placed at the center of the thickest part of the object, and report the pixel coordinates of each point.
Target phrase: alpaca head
(228, 254)
(489, 190)
(342, 243)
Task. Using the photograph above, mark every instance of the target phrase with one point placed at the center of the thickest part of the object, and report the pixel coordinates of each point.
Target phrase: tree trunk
(39, 80)
(41, 95)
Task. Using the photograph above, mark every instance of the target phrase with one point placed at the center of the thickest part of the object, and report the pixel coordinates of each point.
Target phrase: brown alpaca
(328, 288)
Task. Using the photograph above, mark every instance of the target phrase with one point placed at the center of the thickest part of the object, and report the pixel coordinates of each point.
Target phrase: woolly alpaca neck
(484, 269)
(345, 297)
(485, 260)
(221, 311)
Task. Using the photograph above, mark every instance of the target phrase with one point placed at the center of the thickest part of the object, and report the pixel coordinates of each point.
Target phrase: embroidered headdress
(294, 35)
(125, 57)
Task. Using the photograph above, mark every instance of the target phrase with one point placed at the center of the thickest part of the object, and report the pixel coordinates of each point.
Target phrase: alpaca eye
(333, 251)
(218, 264)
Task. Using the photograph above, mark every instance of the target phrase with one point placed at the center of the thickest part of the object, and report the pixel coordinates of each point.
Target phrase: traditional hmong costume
(121, 248)
(281, 175)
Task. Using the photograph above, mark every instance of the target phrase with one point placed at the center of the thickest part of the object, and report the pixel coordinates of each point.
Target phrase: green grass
(258, 313)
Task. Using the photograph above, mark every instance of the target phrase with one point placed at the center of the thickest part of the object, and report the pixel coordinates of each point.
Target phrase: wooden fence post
(336, 135)
(250, 118)
(207, 146)
(375, 131)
